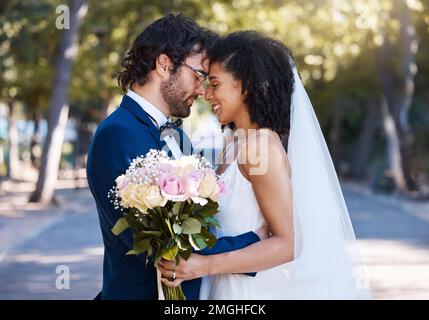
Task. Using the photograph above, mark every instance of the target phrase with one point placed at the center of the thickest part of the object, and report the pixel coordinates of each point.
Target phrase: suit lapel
(132, 106)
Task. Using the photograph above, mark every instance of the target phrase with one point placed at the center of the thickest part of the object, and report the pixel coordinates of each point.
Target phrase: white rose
(208, 187)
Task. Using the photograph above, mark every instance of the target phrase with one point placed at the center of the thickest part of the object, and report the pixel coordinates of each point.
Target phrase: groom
(162, 76)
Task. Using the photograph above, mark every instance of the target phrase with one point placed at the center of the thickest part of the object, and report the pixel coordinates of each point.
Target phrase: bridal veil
(327, 262)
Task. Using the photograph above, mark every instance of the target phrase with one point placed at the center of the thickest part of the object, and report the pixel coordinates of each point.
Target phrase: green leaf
(151, 233)
(164, 212)
(211, 239)
(210, 209)
(177, 229)
(183, 217)
(145, 221)
(134, 222)
(140, 247)
(177, 207)
(186, 210)
(185, 254)
(200, 240)
(120, 226)
(170, 253)
(201, 219)
(183, 242)
(192, 242)
(191, 226)
(213, 221)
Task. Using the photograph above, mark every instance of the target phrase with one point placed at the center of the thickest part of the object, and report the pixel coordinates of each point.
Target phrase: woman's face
(224, 94)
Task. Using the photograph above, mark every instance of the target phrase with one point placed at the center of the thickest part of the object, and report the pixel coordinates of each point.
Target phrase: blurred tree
(397, 68)
(27, 45)
(46, 182)
(12, 172)
(419, 113)
(337, 45)
(8, 77)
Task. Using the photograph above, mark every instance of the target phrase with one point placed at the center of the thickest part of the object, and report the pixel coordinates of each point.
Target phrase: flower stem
(173, 293)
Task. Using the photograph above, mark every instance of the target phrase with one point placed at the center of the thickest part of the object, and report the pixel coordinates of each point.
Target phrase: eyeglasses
(201, 74)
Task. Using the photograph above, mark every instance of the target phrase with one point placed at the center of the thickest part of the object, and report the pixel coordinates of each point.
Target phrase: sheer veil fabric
(327, 262)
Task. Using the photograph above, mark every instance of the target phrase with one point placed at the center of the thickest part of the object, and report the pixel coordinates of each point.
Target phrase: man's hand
(196, 266)
(263, 232)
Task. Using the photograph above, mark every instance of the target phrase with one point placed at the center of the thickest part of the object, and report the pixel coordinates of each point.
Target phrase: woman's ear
(162, 65)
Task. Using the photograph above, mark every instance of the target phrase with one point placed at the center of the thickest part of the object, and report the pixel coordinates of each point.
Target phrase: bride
(311, 251)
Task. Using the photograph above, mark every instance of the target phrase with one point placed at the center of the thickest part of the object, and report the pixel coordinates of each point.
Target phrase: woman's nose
(208, 94)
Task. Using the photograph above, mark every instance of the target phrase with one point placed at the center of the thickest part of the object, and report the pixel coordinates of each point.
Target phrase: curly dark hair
(264, 66)
(177, 36)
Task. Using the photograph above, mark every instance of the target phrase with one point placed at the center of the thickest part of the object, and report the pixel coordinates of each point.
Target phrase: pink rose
(223, 189)
(172, 188)
(193, 182)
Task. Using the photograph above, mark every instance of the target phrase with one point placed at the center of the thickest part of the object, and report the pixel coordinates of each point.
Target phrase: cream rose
(208, 187)
(142, 197)
(153, 198)
(132, 197)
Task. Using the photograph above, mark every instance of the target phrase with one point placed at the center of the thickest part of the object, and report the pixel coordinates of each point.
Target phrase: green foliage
(334, 44)
(170, 231)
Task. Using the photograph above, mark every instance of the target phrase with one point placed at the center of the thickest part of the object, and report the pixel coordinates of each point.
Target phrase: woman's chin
(221, 119)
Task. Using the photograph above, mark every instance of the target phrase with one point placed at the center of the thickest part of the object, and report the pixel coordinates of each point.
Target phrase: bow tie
(171, 125)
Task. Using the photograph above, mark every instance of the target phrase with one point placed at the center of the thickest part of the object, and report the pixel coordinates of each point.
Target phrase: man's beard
(175, 96)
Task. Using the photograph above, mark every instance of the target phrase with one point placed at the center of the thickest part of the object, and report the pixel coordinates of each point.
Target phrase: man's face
(185, 85)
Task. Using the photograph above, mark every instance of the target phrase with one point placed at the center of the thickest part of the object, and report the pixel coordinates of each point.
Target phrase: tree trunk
(397, 71)
(35, 144)
(394, 155)
(365, 140)
(12, 171)
(1, 155)
(59, 110)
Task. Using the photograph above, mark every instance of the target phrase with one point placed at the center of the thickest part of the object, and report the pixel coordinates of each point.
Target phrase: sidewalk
(35, 241)
(393, 235)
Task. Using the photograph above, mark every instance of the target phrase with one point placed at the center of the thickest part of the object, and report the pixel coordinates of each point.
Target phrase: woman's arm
(265, 165)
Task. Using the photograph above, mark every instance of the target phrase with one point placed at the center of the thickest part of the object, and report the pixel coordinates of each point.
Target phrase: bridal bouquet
(169, 206)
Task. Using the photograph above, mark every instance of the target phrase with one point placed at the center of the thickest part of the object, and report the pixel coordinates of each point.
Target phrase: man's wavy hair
(177, 36)
(264, 66)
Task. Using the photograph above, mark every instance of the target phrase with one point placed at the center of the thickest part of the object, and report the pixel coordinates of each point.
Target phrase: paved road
(393, 237)
(70, 238)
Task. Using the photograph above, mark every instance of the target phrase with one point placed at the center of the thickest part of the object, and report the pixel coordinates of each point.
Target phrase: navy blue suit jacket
(125, 134)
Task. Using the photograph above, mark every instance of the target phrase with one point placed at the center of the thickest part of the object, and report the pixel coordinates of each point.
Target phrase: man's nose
(201, 91)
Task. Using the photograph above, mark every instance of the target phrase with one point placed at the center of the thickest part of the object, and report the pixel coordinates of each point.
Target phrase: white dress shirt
(158, 119)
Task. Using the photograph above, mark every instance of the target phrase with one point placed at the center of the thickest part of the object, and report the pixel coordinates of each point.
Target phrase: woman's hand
(196, 266)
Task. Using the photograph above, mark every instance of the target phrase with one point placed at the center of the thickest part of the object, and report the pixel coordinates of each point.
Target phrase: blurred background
(364, 63)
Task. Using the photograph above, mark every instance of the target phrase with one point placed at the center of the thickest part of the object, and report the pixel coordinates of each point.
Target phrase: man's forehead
(199, 60)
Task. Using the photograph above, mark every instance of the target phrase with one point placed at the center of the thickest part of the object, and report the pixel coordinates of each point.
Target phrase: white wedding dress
(239, 213)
